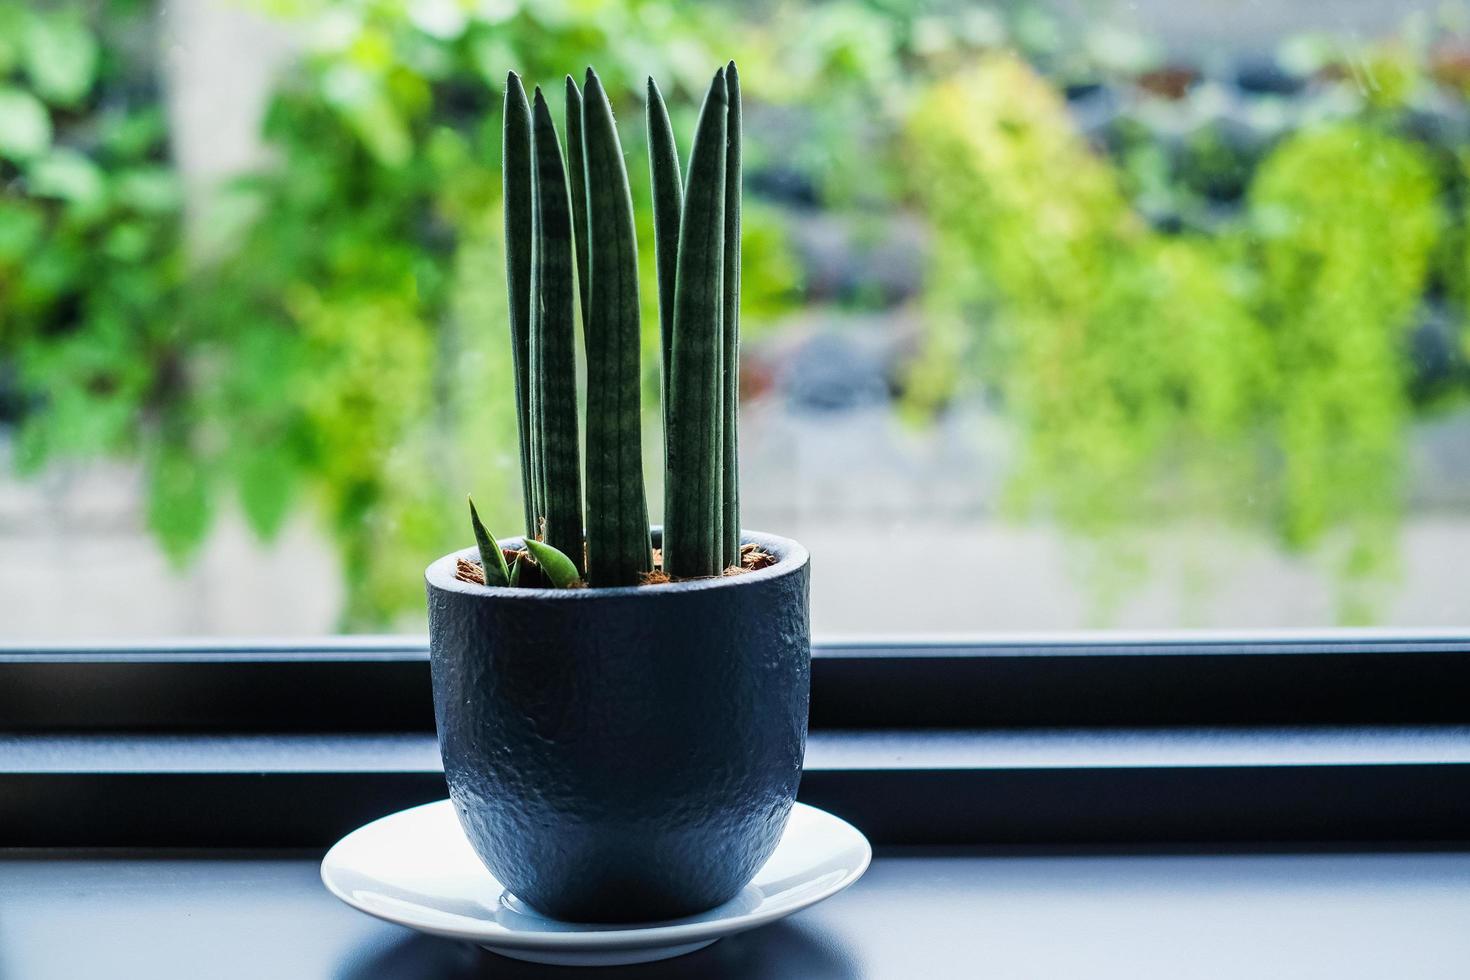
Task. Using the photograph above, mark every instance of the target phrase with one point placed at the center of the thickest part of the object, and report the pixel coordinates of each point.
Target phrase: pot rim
(791, 556)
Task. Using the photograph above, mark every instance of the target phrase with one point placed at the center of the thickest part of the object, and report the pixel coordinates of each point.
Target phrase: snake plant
(574, 221)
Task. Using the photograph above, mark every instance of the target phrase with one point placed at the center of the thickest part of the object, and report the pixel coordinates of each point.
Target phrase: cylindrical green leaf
(577, 178)
(516, 168)
(730, 328)
(668, 204)
(553, 340)
(618, 548)
(693, 503)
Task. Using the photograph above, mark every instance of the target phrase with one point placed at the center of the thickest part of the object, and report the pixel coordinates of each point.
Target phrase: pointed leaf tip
(492, 559)
(557, 566)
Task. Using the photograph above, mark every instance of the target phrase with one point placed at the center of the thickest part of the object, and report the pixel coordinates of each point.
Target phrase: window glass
(1055, 314)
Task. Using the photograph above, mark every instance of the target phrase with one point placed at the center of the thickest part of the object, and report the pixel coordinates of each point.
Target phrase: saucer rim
(610, 936)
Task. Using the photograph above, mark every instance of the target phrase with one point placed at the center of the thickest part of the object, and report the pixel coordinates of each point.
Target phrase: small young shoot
(492, 559)
(557, 567)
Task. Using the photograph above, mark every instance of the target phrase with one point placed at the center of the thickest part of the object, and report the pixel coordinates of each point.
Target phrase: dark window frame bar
(381, 684)
(1359, 690)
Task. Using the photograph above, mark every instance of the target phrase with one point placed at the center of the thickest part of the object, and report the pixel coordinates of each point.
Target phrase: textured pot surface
(624, 754)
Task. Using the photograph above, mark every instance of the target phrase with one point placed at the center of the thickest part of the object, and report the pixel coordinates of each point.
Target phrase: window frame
(380, 683)
(316, 714)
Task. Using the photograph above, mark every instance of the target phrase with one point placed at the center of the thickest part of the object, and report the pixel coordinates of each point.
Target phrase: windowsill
(1097, 756)
(918, 912)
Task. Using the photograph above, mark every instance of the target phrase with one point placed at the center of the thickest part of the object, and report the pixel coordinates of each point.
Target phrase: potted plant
(622, 709)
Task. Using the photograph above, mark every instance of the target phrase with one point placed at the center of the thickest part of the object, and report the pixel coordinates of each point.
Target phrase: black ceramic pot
(628, 754)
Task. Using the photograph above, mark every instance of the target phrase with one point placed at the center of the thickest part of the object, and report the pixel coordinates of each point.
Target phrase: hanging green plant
(1256, 374)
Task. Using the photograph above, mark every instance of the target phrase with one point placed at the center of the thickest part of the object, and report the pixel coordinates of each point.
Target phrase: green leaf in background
(25, 126)
(128, 241)
(267, 480)
(1347, 218)
(179, 508)
(132, 133)
(150, 190)
(70, 176)
(20, 228)
(362, 101)
(444, 20)
(60, 57)
(12, 27)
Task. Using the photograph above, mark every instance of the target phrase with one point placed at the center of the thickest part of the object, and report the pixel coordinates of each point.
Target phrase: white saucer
(417, 869)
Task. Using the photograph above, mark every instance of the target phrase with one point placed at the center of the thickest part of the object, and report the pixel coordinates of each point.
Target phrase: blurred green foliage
(1182, 314)
(1345, 219)
(92, 361)
(1258, 372)
(363, 308)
